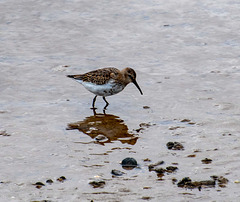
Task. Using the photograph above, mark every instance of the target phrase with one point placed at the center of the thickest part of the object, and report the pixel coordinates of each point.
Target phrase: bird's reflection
(104, 128)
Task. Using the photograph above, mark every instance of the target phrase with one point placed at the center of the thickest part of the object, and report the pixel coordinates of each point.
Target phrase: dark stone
(129, 162)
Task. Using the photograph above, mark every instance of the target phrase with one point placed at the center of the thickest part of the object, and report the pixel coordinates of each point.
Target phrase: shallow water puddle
(105, 128)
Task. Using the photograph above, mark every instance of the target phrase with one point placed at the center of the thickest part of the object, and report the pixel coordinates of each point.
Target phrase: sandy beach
(186, 55)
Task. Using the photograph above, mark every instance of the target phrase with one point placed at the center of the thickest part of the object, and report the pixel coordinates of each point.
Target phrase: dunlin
(106, 81)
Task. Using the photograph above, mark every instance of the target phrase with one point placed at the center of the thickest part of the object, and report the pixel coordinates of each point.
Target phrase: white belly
(103, 90)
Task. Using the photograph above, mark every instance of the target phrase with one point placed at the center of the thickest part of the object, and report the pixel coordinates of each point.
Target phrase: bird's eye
(130, 76)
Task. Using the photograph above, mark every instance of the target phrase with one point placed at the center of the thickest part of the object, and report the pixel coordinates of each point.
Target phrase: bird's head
(130, 76)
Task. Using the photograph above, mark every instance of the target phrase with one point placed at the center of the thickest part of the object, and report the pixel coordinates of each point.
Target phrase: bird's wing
(99, 77)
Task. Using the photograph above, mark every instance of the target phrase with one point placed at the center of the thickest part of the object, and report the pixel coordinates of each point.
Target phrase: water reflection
(104, 128)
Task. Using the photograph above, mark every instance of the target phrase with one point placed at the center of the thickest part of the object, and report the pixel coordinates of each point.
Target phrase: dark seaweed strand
(99, 77)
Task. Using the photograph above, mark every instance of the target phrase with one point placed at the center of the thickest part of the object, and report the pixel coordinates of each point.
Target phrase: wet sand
(186, 55)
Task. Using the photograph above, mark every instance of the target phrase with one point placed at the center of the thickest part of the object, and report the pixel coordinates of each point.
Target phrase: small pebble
(144, 125)
(160, 170)
(147, 187)
(100, 138)
(49, 181)
(151, 166)
(174, 180)
(61, 179)
(206, 161)
(97, 184)
(222, 180)
(146, 197)
(117, 172)
(171, 168)
(175, 146)
(146, 107)
(185, 120)
(4, 133)
(39, 185)
(191, 155)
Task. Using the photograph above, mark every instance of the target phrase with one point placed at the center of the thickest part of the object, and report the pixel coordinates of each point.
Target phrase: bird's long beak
(136, 84)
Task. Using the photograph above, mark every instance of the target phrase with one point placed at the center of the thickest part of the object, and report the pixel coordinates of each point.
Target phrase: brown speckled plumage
(99, 76)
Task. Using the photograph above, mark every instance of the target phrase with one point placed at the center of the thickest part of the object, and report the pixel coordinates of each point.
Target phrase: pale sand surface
(186, 54)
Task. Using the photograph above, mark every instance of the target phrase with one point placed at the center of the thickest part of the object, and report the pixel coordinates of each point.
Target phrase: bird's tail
(70, 76)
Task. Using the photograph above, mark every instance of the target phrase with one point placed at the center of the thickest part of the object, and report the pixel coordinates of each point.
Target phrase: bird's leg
(94, 111)
(104, 111)
(106, 103)
(93, 103)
